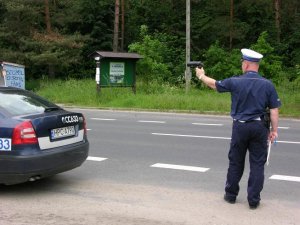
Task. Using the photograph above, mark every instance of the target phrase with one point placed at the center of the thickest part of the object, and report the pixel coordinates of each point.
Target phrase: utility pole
(188, 75)
(231, 23)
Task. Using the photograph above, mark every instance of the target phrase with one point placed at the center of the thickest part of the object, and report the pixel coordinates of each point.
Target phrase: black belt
(247, 121)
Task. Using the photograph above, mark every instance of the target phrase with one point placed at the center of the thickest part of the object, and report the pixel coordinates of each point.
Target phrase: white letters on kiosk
(12, 75)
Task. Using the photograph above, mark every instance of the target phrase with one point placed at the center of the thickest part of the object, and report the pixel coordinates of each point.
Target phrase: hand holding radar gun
(196, 64)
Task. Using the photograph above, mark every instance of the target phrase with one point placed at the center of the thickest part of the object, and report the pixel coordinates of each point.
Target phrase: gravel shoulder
(55, 201)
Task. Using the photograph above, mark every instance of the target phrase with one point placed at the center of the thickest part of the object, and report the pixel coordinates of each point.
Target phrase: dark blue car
(38, 138)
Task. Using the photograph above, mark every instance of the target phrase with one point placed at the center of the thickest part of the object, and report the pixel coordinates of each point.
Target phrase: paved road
(132, 142)
(158, 168)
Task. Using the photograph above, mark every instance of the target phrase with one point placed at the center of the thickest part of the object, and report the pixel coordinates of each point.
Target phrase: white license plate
(63, 132)
(5, 144)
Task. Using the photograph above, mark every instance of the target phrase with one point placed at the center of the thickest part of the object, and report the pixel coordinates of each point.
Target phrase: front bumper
(18, 169)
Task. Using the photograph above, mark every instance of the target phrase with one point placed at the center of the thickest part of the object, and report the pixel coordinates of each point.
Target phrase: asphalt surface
(133, 141)
(159, 168)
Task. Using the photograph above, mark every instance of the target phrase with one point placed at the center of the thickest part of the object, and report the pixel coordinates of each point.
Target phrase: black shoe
(253, 206)
(229, 200)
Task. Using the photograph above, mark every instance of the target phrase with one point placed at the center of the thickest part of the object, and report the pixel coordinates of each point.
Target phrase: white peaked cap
(251, 55)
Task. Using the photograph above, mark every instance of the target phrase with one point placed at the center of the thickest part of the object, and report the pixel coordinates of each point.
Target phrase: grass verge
(153, 97)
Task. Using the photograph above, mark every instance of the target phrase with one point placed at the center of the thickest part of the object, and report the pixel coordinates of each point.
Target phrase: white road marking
(88, 129)
(219, 124)
(289, 142)
(180, 167)
(149, 121)
(212, 137)
(97, 159)
(195, 136)
(208, 124)
(285, 178)
(103, 119)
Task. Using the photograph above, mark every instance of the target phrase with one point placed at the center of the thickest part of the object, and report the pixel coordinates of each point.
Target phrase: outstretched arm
(210, 82)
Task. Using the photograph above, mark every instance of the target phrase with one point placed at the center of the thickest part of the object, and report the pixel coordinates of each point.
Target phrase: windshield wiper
(50, 109)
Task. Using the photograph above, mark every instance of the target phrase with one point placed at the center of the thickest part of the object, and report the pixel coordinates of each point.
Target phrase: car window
(22, 103)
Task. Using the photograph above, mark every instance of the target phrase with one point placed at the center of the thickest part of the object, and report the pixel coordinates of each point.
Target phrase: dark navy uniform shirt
(251, 94)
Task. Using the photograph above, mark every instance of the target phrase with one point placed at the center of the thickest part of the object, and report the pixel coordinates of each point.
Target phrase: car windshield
(23, 103)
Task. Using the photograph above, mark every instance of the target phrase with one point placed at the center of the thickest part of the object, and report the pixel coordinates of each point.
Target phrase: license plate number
(62, 132)
(5, 144)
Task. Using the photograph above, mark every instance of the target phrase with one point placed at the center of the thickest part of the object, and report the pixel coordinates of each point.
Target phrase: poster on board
(117, 72)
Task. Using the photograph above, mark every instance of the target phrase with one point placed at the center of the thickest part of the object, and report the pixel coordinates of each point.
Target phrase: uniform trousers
(251, 136)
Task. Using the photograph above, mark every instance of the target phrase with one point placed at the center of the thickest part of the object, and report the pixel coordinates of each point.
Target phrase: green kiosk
(115, 69)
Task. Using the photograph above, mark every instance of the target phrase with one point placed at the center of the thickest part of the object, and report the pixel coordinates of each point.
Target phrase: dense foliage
(155, 29)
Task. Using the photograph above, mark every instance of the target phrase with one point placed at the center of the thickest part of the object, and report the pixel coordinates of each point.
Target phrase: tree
(277, 18)
(96, 21)
(290, 33)
(271, 66)
(33, 44)
(16, 25)
(116, 26)
(62, 33)
(51, 65)
(123, 24)
(47, 17)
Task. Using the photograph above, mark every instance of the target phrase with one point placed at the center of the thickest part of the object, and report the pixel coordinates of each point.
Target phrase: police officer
(251, 95)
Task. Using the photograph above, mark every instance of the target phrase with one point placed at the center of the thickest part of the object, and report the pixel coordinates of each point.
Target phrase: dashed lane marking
(198, 169)
(194, 136)
(212, 137)
(150, 121)
(285, 178)
(97, 159)
(289, 142)
(103, 119)
(284, 128)
(180, 167)
(208, 124)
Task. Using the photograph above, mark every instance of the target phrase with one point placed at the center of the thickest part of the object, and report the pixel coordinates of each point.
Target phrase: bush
(160, 61)
(221, 64)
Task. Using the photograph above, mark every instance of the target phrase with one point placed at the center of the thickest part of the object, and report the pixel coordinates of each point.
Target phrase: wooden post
(188, 47)
(231, 24)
